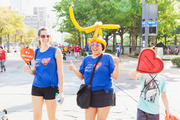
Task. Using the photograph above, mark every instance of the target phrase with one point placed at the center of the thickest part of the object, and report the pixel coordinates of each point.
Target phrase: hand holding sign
(170, 117)
(27, 54)
(149, 63)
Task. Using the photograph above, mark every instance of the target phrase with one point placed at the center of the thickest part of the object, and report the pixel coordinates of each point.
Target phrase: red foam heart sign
(171, 117)
(149, 63)
(27, 54)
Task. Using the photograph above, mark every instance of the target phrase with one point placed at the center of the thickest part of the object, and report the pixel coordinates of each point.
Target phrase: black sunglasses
(43, 36)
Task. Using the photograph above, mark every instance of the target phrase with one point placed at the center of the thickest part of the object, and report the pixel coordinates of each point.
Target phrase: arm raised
(78, 74)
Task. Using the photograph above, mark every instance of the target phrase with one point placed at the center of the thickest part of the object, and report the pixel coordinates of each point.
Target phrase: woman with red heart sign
(153, 85)
(48, 77)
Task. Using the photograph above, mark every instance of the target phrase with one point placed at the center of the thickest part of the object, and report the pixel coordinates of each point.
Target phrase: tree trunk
(1, 37)
(8, 43)
(156, 41)
(133, 48)
(21, 40)
(136, 39)
(121, 35)
(165, 40)
(140, 41)
(175, 40)
(107, 38)
(114, 40)
(86, 39)
(24, 42)
(107, 41)
(82, 40)
(130, 39)
(15, 40)
(79, 38)
(152, 39)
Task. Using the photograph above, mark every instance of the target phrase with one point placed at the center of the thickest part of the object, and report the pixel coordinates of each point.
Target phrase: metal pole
(143, 2)
(146, 35)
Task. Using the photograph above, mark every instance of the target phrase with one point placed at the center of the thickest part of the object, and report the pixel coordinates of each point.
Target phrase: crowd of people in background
(74, 50)
(169, 50)
(166, 50)
(71, 50)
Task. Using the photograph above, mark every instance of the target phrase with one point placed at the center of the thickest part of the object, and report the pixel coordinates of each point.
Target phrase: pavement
(15, 91)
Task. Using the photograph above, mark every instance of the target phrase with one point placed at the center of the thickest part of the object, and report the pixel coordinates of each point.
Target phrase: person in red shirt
(77, 49)
(72, 49)
(2, 59)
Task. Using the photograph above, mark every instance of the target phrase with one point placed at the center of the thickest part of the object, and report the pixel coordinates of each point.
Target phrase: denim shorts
(141, 115)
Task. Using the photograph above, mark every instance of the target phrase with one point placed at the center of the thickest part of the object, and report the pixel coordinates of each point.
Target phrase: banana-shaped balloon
(98, 27)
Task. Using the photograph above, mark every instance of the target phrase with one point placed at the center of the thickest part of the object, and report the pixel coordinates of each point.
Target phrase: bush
(109, 51)
(176, 61)
(83, 53)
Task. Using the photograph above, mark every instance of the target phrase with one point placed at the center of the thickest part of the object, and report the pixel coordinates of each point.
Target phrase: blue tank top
(46, 69)
(102, 75)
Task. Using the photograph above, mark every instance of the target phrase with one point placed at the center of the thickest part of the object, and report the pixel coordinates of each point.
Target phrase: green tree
(31, 34)
(86, 14)
(71, 39)
(126, 13)
(10, 21)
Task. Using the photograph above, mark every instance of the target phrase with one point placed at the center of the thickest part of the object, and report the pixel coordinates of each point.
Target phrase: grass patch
(133, 56)
(176, 61)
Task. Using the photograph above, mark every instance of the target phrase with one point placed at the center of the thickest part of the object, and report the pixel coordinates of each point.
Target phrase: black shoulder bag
(84, 93)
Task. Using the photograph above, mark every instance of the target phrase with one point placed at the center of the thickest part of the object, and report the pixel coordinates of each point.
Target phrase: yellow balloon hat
(98, 39)
(96, 27)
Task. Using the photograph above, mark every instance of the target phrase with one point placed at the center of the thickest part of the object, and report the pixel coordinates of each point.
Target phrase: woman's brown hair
(39, 34)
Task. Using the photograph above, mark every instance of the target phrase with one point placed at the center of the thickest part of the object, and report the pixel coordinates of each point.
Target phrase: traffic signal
(152, 30)
(143, 30)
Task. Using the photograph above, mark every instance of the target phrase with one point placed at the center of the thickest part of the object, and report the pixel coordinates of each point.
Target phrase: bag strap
(90, 82)
(36, 53)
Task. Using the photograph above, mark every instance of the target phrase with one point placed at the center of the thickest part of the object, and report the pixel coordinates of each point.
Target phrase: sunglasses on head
(96, 44)
(43, 36)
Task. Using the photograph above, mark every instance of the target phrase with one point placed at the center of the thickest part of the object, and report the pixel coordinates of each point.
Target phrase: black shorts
(47, 93)
(118, 54)
(141, 115)
(100, 98)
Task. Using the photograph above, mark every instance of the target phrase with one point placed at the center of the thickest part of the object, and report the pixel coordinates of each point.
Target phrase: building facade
(39, 18)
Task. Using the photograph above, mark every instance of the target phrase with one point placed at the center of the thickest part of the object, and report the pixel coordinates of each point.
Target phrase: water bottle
(58, 98)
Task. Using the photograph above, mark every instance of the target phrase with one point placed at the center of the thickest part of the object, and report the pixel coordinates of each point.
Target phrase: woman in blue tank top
(48, 77)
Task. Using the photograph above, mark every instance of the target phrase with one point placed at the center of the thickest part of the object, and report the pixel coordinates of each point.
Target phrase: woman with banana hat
(102, 91)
